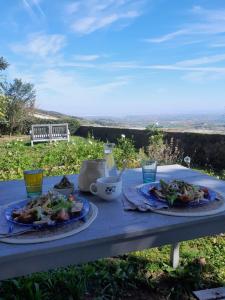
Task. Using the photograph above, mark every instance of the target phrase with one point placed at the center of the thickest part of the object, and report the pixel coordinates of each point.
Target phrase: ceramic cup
(107, 188)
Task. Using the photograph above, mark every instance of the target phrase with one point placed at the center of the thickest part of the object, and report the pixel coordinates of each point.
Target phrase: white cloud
(202, 60)
(90, 57)
(202, 77)
(195, 70)
(67, 91)
(170, 67)
(93, 15)
(218, 42)
(211, 15)
(33, 8)
(167, 37)
(218, 45)
(209, 22)
(91, 24)
(105, 88)
(72, 8)
(41, 44)
(61, 83)
(175, 67)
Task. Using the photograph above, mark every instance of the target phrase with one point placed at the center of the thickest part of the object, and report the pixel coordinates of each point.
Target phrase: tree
(3, 105)
(20, 99)
(3, 64)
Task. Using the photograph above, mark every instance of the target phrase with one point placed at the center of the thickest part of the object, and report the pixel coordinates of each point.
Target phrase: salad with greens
(179, 192)
(48, 209)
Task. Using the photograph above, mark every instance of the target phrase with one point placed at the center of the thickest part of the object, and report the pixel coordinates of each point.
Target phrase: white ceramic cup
(107, 188)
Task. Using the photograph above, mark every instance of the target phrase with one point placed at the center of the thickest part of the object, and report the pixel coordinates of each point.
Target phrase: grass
(138, 275)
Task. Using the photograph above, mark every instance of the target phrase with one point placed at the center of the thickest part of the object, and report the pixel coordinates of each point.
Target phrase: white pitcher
(90, 171)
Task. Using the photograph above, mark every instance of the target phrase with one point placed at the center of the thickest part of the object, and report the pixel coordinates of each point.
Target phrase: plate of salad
(178, 193)
(48, 210)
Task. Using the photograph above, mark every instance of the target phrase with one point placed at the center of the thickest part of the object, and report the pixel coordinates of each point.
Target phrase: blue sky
(118, 57)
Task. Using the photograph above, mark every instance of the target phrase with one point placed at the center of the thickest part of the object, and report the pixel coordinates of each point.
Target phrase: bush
(125, 150)
(163, 152)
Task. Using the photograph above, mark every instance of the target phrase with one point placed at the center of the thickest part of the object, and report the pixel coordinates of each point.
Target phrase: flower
(123, 136)
(187, 160)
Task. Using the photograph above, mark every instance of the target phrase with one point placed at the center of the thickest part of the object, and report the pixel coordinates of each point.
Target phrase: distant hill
(53, 115)
(178, 122)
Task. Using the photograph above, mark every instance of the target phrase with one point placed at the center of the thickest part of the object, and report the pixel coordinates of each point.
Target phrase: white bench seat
(49, 132)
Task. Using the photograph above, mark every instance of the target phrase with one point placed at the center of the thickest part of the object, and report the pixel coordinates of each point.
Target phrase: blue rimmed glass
(149, 170)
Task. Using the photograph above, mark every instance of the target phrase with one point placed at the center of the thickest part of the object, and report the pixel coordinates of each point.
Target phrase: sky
(118, 57)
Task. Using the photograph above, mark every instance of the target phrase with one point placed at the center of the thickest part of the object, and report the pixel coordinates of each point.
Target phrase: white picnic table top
(114, 231)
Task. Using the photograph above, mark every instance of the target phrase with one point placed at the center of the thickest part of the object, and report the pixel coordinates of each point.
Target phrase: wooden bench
(49, 132)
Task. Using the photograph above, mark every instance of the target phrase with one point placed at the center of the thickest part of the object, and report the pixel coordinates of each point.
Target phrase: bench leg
(32, 143)
(175, 255)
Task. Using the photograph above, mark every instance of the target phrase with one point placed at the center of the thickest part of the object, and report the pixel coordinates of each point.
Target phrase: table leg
(175, 255)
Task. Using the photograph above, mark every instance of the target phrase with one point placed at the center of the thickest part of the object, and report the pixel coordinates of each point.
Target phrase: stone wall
(206, 150)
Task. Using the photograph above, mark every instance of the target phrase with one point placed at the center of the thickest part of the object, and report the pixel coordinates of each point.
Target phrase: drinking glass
(149, 169)
(33, 181)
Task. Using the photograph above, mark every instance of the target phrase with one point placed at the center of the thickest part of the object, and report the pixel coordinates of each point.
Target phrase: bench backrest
(45, 132)
(59, 130)
(40, 131)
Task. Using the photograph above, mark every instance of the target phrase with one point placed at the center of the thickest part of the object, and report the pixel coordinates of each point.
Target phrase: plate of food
(48, 210)
(178, 193)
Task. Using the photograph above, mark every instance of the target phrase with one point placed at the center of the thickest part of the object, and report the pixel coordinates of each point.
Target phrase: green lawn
(139, 275)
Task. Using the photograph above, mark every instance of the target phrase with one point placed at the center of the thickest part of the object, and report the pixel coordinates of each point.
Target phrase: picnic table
(114, 231)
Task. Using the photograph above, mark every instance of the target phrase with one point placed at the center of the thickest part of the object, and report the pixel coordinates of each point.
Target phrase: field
(139, 275)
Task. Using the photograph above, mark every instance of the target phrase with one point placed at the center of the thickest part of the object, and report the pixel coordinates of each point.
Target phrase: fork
(11, 234)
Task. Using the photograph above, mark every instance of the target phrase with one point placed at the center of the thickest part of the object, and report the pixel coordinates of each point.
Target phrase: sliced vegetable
(48, 208)
(179, 191)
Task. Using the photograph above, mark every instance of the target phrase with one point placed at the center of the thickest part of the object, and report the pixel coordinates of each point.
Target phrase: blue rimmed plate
(144, 190)
(83, 213)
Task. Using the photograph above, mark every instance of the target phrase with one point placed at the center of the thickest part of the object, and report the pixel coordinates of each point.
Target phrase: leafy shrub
(163, 152)
(125, 150)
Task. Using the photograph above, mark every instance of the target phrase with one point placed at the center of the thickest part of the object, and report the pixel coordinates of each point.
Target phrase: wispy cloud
(41, 44)
(195, 70)
(168, 67)
(33, 8)
(218, 42)
(176, 67)
(205, 23)
(218, 45)
(90, 57)
(167, 37)
(202, 60)
(72, 8)
(78, 93)
(92, 15)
